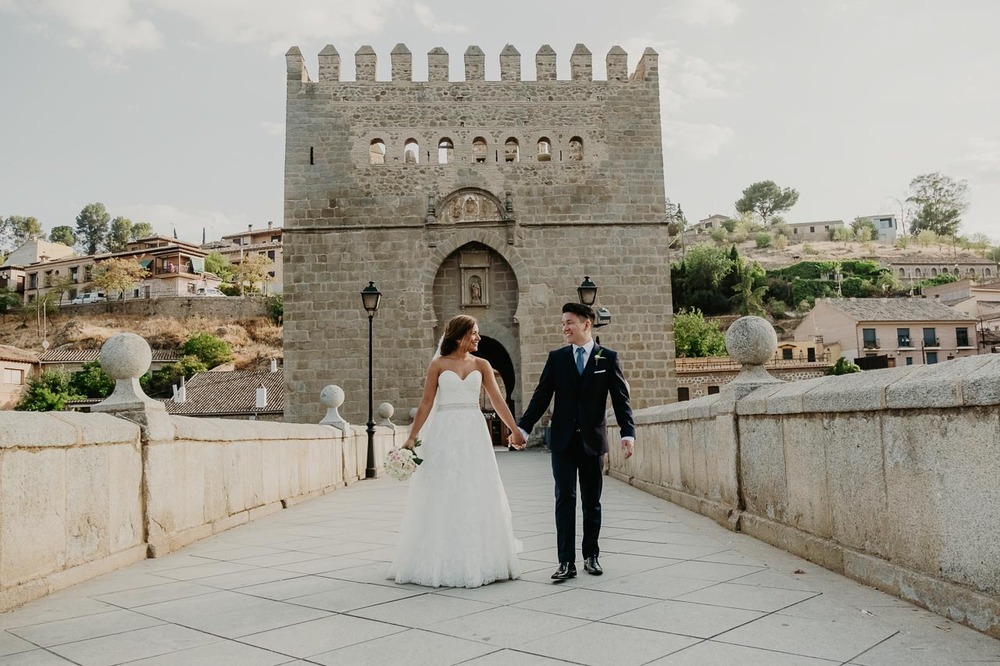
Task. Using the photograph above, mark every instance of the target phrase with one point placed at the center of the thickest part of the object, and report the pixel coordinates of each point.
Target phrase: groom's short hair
(581, 310)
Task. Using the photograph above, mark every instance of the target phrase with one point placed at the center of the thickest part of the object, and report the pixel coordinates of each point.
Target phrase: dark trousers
(566, 467)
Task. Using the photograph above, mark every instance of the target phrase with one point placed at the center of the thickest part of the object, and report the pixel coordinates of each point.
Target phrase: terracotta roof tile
(896, 309)
(8, 353)
(231, 392)
(88, 355)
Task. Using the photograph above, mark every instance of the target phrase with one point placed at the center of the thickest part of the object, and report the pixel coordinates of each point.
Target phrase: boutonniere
(598, 357)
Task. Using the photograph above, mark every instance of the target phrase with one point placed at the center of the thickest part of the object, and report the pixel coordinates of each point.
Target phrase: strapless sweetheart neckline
(460, 377)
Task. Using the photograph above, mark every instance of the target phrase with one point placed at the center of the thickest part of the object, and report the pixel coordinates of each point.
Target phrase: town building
(232, 394)
(265, 241)
(886, 227)
(979, 300)
(915, 268)
(17, 367)
(902, 331)
(805, 232)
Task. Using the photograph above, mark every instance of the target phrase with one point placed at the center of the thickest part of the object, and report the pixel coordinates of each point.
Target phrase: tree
(860, 223)
(157, 383)
(748, 294)
(90, 381)
(92, 226)
(16, 229)
(118, 275)
(695, 337)
(926, 237)
(938, 202)
(843, 367)
(118, 235)
(141, 230)
(10, 301)
(207, 348)
(766, 199)
(63, 234)
(46, 393)
(220, 265)
(252, 271)
(61, 286)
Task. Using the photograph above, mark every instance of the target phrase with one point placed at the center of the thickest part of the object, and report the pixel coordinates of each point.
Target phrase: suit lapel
(588, 370)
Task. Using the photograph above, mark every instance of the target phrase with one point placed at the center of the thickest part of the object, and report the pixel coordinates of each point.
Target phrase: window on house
(902, 272)
(32, 280)
(812, 230)
(962, 336)
(683, 394)
(270, 255)
(811, 354)
(903, 337)
(932, 358)
(787, 354)
(445, 150)
(411, 152)
(479, 149)
(933, 272)
(712, 390)
(376, 154)
(909, 360)
(275, 239)
(13, 376)
(544, 149)
(930, 337)
(868, 338)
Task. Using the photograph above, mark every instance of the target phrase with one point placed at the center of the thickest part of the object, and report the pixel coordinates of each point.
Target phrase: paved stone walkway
(307, 586)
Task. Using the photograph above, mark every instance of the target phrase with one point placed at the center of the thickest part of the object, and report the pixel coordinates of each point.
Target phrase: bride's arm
(426, 402)
(499, 404)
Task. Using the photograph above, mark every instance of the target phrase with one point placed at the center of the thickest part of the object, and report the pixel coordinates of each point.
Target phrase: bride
(456, 529)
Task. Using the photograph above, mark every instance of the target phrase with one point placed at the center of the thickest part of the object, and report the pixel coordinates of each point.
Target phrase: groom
(581, 376)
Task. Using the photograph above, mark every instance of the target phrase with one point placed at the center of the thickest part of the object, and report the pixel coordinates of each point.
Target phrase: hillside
(254, 341)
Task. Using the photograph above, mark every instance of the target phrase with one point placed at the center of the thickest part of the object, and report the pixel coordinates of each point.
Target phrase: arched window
(902, 272)
(511, 150)
(576, 149)
(916, 272)
(411, 151)
(933, 272)
(987, 272)
(972, 272)
(544, 149)
(479, 149)
(445, 149)
(376, 152)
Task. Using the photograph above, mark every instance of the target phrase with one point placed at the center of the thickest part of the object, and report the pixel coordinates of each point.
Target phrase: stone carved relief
(472, 207)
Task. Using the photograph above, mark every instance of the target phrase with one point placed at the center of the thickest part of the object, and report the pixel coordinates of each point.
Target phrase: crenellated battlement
(401, 59)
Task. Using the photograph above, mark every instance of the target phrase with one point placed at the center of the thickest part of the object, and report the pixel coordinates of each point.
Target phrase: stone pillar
(402, 63)
(648, 69)
(545, 64)
(475, 64)
(437, 65)
(617, 63)
(126, 357)
(295, 66)
(751, 342)
(365, 62)
(581, 64)
(329, 64)
(510, 64)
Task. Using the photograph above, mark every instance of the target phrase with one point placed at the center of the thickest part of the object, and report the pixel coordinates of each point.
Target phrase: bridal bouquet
(401, 463)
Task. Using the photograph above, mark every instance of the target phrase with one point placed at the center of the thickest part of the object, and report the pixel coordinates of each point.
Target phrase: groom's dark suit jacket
(581, 400)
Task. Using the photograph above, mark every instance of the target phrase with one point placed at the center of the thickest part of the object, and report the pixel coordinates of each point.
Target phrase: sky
(172, 111)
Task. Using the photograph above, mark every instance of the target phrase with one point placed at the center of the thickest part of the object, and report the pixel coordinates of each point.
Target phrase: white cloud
(272, 128)
(427, 19)
(110, 28)
(188, 222)
(699, 140)
(703, 12)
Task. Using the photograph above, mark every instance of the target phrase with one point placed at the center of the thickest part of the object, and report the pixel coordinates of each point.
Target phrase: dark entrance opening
(494, 352)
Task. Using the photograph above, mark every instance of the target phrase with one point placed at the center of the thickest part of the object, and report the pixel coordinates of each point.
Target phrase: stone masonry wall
(348, 221)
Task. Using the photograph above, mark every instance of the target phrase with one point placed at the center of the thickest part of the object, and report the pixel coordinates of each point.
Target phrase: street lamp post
(587, 291)
(370, 298)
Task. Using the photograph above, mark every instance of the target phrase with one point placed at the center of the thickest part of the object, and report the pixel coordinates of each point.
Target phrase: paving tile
(943, 643)
(826, 639)
(710, 652)
(59, 606)
(502, 593)
(154, 594)
(204, 570)
(689, 619)
(220, 653)
(230, 614)
(514, 658)
(747, 597)
(347, 596)
(712, 571)
(290, 588)
(423, 611)
(82, 628)
(585, 604)
(658, 584)
(35, 658)
(600, 644)
(305, 639)
(324, 564)
(132, 645)
(413, 647)
(506, 626)
(238, 579)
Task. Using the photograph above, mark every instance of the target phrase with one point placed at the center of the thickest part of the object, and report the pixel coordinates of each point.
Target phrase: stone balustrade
(83, 494)
(887, 476)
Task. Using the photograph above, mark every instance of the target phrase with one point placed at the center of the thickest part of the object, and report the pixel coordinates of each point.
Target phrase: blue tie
(580, 361)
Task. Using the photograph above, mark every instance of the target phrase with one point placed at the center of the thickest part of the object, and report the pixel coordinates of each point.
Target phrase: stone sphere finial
(126, 356)
(385, 412)
(332, 397)
(751, 341)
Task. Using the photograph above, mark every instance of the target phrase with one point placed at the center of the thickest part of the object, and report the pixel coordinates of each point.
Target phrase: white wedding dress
(456, 529)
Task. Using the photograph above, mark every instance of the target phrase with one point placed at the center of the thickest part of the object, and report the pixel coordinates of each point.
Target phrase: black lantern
(370, 299)
(587, 291)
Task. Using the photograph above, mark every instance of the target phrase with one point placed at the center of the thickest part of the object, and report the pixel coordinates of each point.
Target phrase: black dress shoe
(592, 566)
(565, 571)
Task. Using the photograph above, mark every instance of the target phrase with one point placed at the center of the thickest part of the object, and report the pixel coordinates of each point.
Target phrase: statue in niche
(475, 290)
(576, 150)
(471, 207)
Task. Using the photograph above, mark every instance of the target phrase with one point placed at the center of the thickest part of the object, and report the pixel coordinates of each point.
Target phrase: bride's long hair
(456, 329)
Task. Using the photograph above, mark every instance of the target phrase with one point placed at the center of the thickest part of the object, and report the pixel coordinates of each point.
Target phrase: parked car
(210, 291)
(89, 297)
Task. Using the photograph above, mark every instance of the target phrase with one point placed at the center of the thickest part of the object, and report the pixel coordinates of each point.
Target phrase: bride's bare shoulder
(483, 365)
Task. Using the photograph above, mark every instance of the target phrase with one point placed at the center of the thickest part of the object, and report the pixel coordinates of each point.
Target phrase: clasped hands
(516, 440)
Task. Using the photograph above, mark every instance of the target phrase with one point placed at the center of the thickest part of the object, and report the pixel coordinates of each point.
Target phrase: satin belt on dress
(458, 405)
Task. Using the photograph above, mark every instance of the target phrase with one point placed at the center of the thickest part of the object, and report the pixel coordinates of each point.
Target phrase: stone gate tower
(492, 198)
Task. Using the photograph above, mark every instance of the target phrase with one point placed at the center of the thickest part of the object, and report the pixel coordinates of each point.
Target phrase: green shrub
(843, 367)
(91, 381)
(763, 240)
(276, 308)
(207, 348)
(158, 383)
(49, 392)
